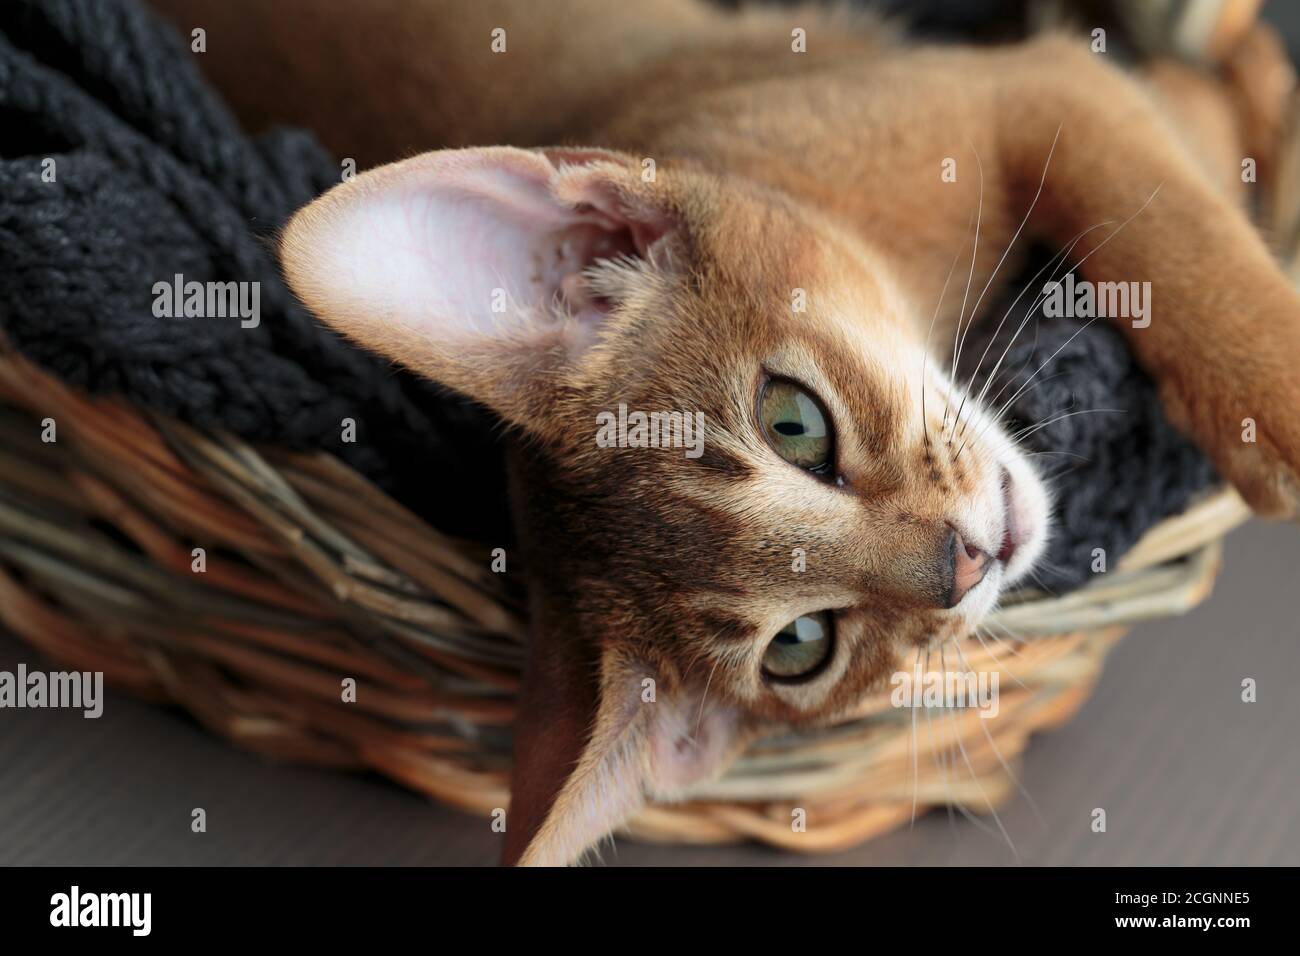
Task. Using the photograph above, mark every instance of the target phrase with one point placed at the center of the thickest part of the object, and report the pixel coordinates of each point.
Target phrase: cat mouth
(1024, 522)
(972, 564)
(1012, 533)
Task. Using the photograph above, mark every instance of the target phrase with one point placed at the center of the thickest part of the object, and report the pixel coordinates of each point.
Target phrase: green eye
(800, 648)
(795, 425)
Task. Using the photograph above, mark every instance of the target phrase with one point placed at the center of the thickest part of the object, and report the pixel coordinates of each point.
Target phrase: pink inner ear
(465, 243)
(689, 743)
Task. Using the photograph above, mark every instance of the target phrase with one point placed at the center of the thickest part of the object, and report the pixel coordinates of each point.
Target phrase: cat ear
(468, 265)
(596, 734)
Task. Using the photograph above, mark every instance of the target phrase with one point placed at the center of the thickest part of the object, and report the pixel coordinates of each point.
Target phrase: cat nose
(969, 565)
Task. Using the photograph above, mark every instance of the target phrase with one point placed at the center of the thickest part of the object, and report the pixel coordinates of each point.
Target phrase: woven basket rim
(314, 574)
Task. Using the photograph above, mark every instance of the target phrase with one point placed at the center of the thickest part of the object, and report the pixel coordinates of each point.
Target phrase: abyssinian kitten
(649, 188)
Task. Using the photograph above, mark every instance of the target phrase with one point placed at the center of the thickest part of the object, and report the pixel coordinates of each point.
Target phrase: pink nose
(969, 565)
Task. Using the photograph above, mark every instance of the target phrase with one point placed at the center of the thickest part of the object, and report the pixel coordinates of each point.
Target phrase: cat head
(744, 492)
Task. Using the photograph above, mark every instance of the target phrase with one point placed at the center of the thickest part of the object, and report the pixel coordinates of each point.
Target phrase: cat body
(782, 221)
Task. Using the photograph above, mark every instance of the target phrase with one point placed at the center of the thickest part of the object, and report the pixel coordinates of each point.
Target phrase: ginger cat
(649, 188)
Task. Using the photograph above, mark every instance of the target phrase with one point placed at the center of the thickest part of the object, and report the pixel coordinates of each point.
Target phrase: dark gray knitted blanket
(119, 169)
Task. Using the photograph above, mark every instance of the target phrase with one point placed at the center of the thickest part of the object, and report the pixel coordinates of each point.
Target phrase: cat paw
(1255, 447)
(1264, 471)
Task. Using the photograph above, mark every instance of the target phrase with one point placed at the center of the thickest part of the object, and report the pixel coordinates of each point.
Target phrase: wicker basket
(313, 575)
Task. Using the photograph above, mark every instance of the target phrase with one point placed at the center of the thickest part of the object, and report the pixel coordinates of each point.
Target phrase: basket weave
(313, 575)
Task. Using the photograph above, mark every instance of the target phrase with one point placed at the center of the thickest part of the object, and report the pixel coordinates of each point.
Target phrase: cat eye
(796, 425)
(800, 648)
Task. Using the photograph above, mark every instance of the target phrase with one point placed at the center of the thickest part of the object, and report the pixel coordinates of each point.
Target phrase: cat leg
(380, 80)
(1222, 334)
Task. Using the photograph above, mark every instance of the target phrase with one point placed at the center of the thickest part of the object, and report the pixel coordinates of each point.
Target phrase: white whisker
(925, 356)
(1002, 760)
(959, 337)
(1118, 229)
(979, 786)
(1063, 257)
(1006, 252)
(916, 777)
(1030, 429)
